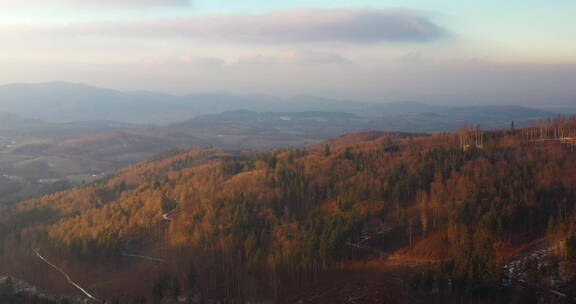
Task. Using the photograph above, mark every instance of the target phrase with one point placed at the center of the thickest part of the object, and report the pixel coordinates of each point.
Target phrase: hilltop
(411, 217)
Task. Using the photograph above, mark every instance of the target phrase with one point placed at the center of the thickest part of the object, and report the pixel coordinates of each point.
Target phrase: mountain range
(70, 102)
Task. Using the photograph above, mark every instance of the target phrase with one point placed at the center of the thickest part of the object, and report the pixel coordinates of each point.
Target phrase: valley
(287, 152)
(49, 152)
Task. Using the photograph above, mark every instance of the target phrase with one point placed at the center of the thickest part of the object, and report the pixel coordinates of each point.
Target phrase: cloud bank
(357, 26)
(92, 3)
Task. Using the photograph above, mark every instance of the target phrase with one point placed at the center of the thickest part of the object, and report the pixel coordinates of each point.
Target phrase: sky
(442, 51)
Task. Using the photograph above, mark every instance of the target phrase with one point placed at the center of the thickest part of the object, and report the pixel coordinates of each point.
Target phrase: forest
(446, 213)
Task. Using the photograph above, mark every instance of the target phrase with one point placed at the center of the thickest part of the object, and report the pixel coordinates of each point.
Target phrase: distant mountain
(446, 119)
(66, 102)
(566, 110)
(14, 125)
(498, 112)
(72, 102)
(314, 125)
(402, 117)
(405, 107)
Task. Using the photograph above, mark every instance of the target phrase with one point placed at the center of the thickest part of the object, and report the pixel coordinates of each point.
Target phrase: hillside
(411, 218)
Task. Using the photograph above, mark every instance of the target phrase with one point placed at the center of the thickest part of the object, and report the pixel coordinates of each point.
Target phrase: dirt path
(90, 296)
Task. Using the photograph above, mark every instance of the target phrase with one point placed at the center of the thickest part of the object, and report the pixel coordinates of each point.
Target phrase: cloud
(296, 58)
(207, 62)
(358, 26)
(310, 57)
(186, 60)
(93, 3)
(301, 58)
(258, 59)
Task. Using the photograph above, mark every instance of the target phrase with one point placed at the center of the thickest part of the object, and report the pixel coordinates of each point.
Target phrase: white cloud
(357, 26)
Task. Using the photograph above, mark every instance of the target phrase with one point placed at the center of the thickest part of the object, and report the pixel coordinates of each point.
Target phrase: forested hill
(369, 217)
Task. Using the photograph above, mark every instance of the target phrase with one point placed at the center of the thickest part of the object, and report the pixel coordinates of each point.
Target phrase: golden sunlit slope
(242, 225)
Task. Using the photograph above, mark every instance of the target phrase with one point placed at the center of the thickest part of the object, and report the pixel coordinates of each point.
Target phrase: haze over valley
(58, 135)
(287, 152)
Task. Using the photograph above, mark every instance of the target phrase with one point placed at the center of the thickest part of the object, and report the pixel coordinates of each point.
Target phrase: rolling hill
(474, 216)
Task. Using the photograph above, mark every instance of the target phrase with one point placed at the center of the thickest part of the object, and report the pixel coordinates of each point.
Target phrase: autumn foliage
(255, 225)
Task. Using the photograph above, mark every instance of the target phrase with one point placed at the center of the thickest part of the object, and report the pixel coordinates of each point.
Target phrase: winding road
(37, 252)
(165, 217)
